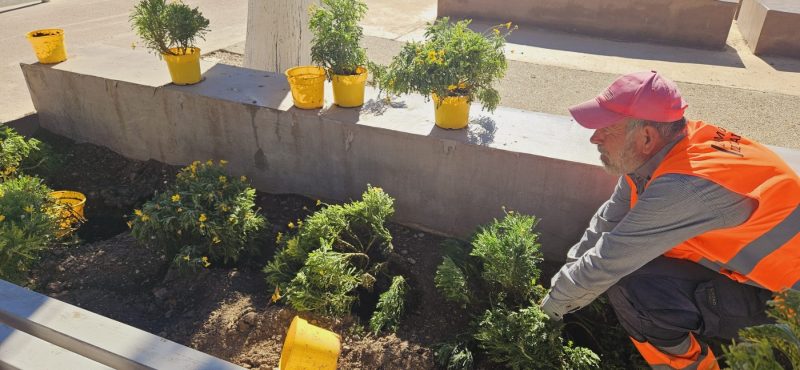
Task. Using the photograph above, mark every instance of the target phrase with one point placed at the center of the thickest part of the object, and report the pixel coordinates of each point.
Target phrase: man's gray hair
(668, 130)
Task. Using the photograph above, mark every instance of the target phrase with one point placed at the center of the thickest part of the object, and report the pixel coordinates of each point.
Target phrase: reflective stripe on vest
(747, 258)
(764, 250)
(698, 356)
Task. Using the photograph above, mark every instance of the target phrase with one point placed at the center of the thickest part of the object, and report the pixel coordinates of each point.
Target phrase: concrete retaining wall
(443, 181)
(771, 27)
(698, 23)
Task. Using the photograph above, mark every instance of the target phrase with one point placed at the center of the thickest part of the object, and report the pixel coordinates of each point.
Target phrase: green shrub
(452, 282)
(29, 224)
(757, 350)
(324, 283)
(527, 339)
(351, 239)
(391, 306)
(454, 356)
(496, 280)
(355, 228)
(510, 256)
(13, 150)
(452, 61)
(205, 213)
(337, 34)
(163, 26)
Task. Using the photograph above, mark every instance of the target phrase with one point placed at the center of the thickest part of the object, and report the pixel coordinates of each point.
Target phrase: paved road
(87, 22)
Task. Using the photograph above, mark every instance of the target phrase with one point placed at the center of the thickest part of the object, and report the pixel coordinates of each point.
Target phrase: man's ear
(650, 140)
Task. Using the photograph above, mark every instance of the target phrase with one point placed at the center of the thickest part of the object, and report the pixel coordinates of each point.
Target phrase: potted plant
(171, 29)
(336, 48)
(453, 66)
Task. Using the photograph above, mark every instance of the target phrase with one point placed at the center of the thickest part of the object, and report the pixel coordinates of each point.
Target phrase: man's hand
(550, 308)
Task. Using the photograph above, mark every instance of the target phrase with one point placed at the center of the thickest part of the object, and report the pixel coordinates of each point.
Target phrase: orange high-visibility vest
(765, 249)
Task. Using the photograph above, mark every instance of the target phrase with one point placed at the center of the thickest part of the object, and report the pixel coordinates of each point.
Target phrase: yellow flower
(216, 240)
(145, 217)
(130, 224)
(432, 56)
(180, 209)
(209, 162)
(278, 237)
(223, 162)
(496, 32)
(243, 178)
(318, 202)
(223, 179)
(299, 223)
(186, 257)
(291, 225)
(205, 262)
(29, 208)
(202, 218)
(176, 198)
(276, 295)
(133, 45)
(137, 212)
(508, 25)
(2, 218)
(224, 207)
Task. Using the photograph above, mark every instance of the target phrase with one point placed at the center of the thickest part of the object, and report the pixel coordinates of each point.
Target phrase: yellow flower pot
(309, 347)
(452, 113)
(73, 212)
(307, 84)
(48, 44)
(348, 91)
(184, 68)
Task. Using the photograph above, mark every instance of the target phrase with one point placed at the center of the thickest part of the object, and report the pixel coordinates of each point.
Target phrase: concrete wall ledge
(443, 181)
(74, 336)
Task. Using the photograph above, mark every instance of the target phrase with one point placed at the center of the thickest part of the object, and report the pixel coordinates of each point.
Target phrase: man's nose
(597, 137)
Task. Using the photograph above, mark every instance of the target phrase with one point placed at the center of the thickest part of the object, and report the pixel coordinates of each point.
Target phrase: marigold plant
(495, 278)
(337, 35)
(29, 223)
(205, 217)
(452, 61)
(13, 150)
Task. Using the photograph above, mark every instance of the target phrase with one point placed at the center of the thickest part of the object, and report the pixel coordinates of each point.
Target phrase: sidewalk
(548, 71)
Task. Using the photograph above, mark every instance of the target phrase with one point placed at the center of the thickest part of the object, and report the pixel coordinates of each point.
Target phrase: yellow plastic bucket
(184, 68)
(309, 347)
(73, 212)
(452, 113)
(348, 91)
(48, 44)
(307, 84)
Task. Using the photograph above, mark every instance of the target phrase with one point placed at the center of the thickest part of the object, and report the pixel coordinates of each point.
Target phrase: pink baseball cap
(641, 95)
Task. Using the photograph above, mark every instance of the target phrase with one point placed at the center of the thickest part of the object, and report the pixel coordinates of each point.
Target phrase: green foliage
(452, 61)
(757, 351)
(497, 282)
(29, 223)
(324, 283)
(13, 150)
(527, 339)
(391, 306)
(352, 241)
(509, 252)
(337, 34)
(454, 356)
(163, 25)
(204, 214)
(452, 283)
(356, 227)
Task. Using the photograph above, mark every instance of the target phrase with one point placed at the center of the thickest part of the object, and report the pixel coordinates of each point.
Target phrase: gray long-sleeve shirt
(620, 240)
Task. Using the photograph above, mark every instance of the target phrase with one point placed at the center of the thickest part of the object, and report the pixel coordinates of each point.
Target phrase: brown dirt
(223, 311)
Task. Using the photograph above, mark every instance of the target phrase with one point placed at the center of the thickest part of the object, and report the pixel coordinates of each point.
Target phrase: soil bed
(226, 310)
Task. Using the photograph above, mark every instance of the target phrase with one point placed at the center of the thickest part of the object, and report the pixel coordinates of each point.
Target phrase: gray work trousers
(666, 299)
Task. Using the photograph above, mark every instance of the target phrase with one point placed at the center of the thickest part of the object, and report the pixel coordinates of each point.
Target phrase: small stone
(233, 274)
(412, 261)
(168, 314)
(250, 318)
(55, 286)
(403, 252)
(242, 326)
(162, 334)
(420, 235)
(246, 365)
(160, 293)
